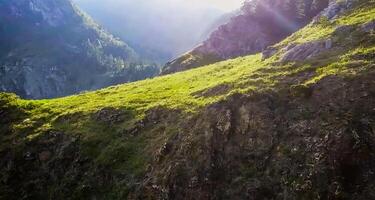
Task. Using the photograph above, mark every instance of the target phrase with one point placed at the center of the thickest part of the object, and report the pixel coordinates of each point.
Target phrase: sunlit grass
(308, 34)
(323, 28)
(179, 91)
(360, 16)
(171, 91)
(188, 92)
(356, 61)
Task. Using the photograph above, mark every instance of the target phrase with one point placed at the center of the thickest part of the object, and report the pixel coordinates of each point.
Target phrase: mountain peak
(55, 39)
(259, 25)
(297, 122)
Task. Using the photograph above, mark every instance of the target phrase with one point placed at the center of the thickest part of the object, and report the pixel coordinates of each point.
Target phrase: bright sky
(225, 5)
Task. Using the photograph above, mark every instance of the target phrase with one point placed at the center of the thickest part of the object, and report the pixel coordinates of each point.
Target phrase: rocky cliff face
(306, 145)
(50, 48)
(269, 146)
(259, 25)
(301, 125)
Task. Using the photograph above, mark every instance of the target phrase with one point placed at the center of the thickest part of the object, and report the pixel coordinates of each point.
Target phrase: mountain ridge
(51, 48)
(245, 128)
(148, 27)
(260, 24)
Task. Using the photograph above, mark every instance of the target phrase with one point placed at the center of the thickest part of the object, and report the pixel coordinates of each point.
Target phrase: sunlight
(187, 99)
(224, 5)
(283, 20)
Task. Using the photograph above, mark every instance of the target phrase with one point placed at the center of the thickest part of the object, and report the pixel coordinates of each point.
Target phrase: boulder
(110, 115)
(369, 27)
(29, 156)
(344, 29)
(335, 9)
(306, 50)
(328, 44)
(269, 52)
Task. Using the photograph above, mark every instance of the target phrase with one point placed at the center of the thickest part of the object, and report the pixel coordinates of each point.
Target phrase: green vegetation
(72, 50)
(190, 60)
(359, 16)
(186, 92)
(358, 61)
(178, 91)
(324, 28)
(272, 22)
(172, 91)
(310, 33)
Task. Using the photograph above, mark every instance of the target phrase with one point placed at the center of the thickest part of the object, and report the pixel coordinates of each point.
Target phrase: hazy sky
(225, 5)
(168, 27)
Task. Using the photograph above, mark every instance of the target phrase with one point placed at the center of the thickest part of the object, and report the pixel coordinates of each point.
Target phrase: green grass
(178, 91)
(323, 29)
(104, 144)
(360, 16)
(171, 91)
(350, 64)
(308, 34)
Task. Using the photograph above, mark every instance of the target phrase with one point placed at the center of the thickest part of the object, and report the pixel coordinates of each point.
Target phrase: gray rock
(369, 27)
(291, 46)
(328, 44)
(269, 52)
(237, 38)
(29, 156)
(334, 10)
(344, 29)
(305, 51)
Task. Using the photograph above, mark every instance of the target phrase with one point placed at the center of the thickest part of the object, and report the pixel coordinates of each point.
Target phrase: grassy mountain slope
(285, 127)
(258, 25)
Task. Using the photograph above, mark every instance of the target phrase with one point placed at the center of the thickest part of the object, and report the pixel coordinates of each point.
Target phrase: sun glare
(225, 5)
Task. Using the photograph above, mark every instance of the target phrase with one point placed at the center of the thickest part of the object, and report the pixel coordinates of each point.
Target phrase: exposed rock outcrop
(274, 146)
(305, 51)
(302, 130)
(335, 9)
(269, 52)
(259, 25)
(369, 27)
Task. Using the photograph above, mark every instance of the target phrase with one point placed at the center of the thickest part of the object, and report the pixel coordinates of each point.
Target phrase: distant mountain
(294, 124)
(158, 29)
(222, 20)
(260, 24)
(50, 48)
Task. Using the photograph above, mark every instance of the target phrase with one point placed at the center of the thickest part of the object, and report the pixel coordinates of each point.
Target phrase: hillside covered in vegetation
(50, 48)
(261, 23)
(296, 122)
